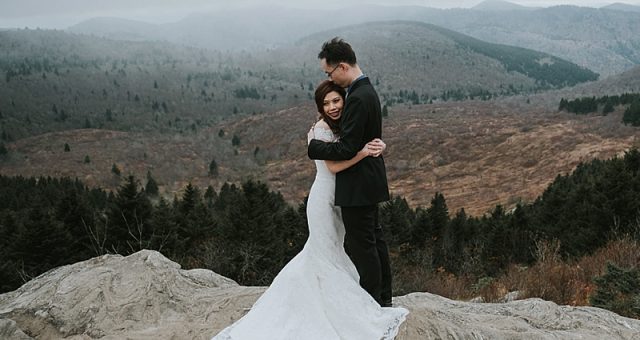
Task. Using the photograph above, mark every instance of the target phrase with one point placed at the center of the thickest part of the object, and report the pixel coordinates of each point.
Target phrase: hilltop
(499, 5)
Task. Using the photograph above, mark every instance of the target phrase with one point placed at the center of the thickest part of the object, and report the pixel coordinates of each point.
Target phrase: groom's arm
(352, 126)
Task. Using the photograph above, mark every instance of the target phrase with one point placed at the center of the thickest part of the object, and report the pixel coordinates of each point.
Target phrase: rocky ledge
(147, 296)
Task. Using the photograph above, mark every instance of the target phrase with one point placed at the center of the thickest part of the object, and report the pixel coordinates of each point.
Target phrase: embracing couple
(325, 292)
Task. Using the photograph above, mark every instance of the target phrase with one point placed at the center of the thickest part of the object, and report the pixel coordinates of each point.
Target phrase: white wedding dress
(317, 296)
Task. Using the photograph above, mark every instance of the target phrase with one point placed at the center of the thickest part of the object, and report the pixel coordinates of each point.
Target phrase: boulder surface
(147, 296)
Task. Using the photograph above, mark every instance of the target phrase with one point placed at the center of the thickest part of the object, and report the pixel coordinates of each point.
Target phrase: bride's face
(333, 104)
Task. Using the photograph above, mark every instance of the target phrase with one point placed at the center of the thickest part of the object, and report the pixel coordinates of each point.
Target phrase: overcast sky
(64, 13)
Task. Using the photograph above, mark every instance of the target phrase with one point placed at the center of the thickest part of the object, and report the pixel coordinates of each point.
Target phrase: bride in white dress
(317, 295)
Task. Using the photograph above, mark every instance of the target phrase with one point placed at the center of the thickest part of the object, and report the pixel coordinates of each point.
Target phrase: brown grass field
(477, 153)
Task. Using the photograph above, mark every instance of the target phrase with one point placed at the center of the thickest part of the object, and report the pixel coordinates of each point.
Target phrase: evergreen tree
(115, 170)
(165, 236)
(41, 243)
(439, 219)
(618, 290)
(128, 215)
(74, 211)
(190, 198)
(213, 168)
(235, 140)
(422, 229)
(495, 242)
(456, 236)
(396, 219)
(67, 148)
(210, 196)
(608, 108)
(151, 188)
(632, 114)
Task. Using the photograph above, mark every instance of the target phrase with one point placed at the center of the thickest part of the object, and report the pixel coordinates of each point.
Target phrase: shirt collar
(355, 81)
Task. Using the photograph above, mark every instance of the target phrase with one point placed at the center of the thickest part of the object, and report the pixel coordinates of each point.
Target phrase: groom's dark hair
(337, 51)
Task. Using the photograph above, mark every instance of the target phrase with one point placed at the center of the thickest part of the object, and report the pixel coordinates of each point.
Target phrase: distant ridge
(603, 39)
(119, 29)
(499, 5)
(619, 6)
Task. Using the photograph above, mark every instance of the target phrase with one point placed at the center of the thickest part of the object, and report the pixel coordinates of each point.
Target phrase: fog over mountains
(604, 40)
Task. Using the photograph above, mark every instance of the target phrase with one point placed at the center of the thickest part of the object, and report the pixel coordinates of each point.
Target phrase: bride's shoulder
(322, 131)
(322, 124)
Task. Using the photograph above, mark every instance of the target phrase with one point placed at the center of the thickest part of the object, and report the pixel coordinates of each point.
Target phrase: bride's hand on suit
(374, 148)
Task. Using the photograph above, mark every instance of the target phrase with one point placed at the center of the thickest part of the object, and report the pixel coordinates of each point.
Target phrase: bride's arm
(373, 148)
(337, 166)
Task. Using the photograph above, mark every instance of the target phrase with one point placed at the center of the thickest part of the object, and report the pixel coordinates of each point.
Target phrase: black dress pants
(365, 245)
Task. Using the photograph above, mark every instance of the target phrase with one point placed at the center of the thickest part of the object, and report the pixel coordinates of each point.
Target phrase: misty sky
(64, 13)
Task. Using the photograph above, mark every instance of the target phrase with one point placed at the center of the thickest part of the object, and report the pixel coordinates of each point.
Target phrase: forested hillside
(58, 81)
(248, 232)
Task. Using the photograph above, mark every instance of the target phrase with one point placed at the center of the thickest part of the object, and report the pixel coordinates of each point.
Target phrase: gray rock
(10, 330)
(435, 317)
(147, 296)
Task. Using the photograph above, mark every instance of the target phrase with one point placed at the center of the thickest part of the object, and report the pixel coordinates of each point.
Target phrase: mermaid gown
(316, 296)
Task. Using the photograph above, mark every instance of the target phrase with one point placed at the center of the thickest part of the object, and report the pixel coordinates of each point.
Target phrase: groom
(361, 187)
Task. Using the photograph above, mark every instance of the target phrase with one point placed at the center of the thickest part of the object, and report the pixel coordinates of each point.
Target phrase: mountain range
(56, 80)
(604, 40)
(460, 110)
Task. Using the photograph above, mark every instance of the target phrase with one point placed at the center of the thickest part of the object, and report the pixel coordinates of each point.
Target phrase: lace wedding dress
(317, 296)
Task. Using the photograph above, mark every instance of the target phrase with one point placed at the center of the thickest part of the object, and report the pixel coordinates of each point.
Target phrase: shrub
(618, 290)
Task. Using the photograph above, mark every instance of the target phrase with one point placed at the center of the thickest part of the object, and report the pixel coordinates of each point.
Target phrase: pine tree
(456, 238)
(115, 170)
(213, 168)
(235, 140)
(151, 188)
(439, 219)
(165, 237)
(632, 114)
(128, 216)
(190, 198)
(608, 108)
(396, 219)
(618, 290)
(210, 196)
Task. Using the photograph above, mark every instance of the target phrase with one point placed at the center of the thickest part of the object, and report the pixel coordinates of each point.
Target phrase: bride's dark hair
(322, 90)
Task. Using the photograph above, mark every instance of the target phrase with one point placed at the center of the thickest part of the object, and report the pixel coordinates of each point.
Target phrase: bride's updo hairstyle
(326, 87)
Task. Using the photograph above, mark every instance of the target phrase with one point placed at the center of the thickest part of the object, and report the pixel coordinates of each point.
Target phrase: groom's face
(335, 72)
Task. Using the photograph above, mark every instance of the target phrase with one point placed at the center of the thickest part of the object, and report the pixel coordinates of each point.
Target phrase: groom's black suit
(361, 187)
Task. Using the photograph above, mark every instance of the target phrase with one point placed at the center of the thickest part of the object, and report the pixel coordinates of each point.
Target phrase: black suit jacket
(366, 182)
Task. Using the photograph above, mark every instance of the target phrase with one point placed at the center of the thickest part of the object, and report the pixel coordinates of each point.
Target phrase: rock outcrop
(147, 296)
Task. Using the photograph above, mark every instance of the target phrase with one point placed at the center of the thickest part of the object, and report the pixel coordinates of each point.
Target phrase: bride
(317, 295)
